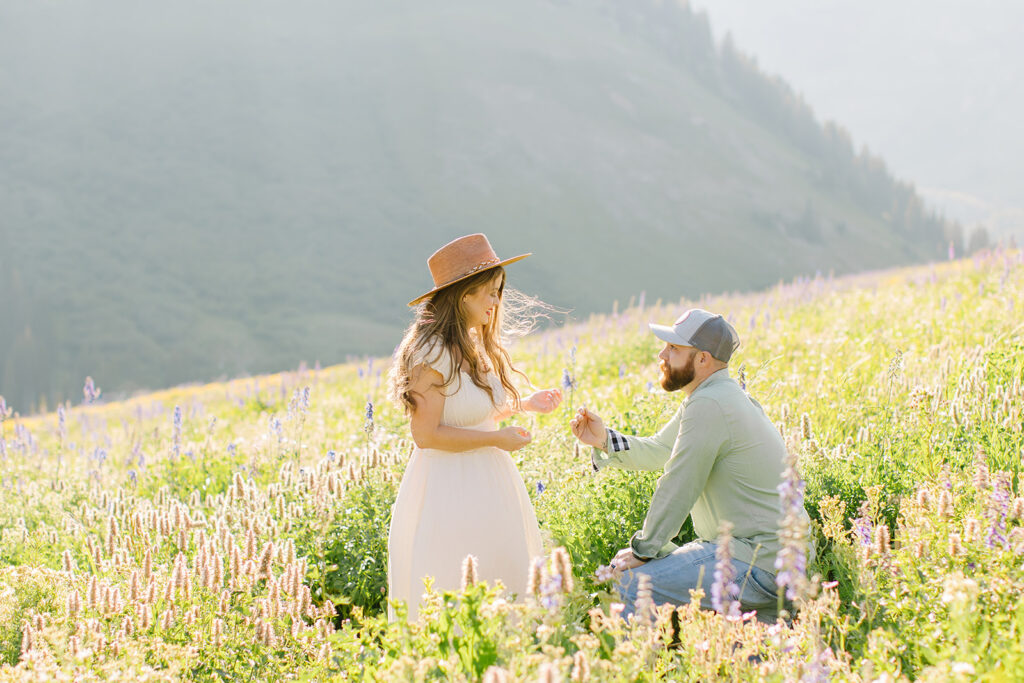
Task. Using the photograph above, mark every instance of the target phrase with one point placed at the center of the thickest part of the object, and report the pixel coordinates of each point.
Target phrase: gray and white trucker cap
(702, 330)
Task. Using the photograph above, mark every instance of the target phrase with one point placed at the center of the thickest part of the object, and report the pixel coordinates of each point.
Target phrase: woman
(461, 493)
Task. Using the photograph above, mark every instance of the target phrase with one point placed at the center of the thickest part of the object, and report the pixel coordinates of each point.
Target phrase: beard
(674, 379)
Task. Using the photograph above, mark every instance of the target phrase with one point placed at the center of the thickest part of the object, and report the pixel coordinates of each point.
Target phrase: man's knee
(627, 586)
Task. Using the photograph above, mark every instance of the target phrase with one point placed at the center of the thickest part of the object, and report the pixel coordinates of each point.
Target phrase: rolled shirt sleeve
(701, 431)
(637, 452)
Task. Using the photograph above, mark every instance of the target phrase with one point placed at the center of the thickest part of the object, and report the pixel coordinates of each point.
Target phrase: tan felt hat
(459, 259)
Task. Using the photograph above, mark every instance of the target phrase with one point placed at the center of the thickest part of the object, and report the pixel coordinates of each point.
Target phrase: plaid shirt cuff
(616, 442)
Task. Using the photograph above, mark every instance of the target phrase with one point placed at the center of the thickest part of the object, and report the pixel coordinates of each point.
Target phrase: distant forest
(684, 35)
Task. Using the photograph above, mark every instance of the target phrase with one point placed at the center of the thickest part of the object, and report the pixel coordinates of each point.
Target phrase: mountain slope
(941, 102)
(192, 191)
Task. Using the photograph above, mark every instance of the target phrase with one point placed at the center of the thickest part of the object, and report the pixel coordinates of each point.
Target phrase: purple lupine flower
(277, 429)
(551, 590)
(863, 529)
(568, 381)
(331, 456)
(999, 506)
(368, 422)
(90, 391)
(177, 431)
(540, 487)
(819, 669)
(24, 441)
(724, 591)
(5, 412)
(791, 561)
(622, 370)
(299, 405)
(62, 424)
(952, 251)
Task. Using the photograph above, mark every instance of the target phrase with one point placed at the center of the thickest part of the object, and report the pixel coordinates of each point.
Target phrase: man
(723, 461)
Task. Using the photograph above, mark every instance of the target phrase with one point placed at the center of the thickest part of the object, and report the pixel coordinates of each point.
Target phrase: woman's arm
(537, 402)
(428, 432)
(505, 412)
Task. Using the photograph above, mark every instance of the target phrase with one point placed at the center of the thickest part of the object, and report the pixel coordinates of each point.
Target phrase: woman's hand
(512, 438)
(543, 401)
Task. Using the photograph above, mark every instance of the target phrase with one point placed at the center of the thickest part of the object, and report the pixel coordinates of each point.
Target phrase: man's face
(676, 366)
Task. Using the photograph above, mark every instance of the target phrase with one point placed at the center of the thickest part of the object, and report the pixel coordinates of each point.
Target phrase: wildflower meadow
(238, 531)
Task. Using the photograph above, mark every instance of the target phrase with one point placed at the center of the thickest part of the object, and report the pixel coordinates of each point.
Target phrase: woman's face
(481, 304)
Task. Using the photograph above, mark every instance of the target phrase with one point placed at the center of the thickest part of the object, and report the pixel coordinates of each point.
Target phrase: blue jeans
(693, 566)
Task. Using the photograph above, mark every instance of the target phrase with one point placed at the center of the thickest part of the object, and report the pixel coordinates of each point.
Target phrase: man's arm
(701, 434)
(637, 452)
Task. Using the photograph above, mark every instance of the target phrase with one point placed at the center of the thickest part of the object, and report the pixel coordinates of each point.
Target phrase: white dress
(453, 504)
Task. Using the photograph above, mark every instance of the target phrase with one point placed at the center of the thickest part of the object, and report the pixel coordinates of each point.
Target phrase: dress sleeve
(434, 355)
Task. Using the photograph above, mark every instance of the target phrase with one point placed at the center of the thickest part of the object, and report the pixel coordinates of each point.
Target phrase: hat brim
(423, 297)
(668, 334)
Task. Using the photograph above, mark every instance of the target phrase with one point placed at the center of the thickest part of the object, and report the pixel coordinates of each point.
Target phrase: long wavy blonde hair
(443, 317)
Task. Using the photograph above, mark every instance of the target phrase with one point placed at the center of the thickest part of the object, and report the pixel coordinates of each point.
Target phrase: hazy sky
(934, 87)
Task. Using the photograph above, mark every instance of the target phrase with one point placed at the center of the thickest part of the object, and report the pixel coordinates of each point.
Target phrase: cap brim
(667, 334)
(423, 297)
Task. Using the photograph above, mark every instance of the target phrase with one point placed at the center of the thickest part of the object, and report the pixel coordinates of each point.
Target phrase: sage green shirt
(723, 460)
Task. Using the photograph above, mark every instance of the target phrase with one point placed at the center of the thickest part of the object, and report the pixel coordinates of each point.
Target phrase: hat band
(477, 267)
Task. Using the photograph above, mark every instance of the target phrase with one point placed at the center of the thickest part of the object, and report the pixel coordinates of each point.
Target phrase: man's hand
(624, 560)
(589, 428)
(543, 401)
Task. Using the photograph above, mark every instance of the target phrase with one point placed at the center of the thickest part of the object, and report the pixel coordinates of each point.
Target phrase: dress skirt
(453, 504)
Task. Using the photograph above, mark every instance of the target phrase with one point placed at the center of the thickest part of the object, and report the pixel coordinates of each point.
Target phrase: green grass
(895, 389)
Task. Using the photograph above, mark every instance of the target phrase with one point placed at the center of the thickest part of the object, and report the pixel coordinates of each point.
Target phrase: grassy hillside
(899, 391)
(191, 192)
